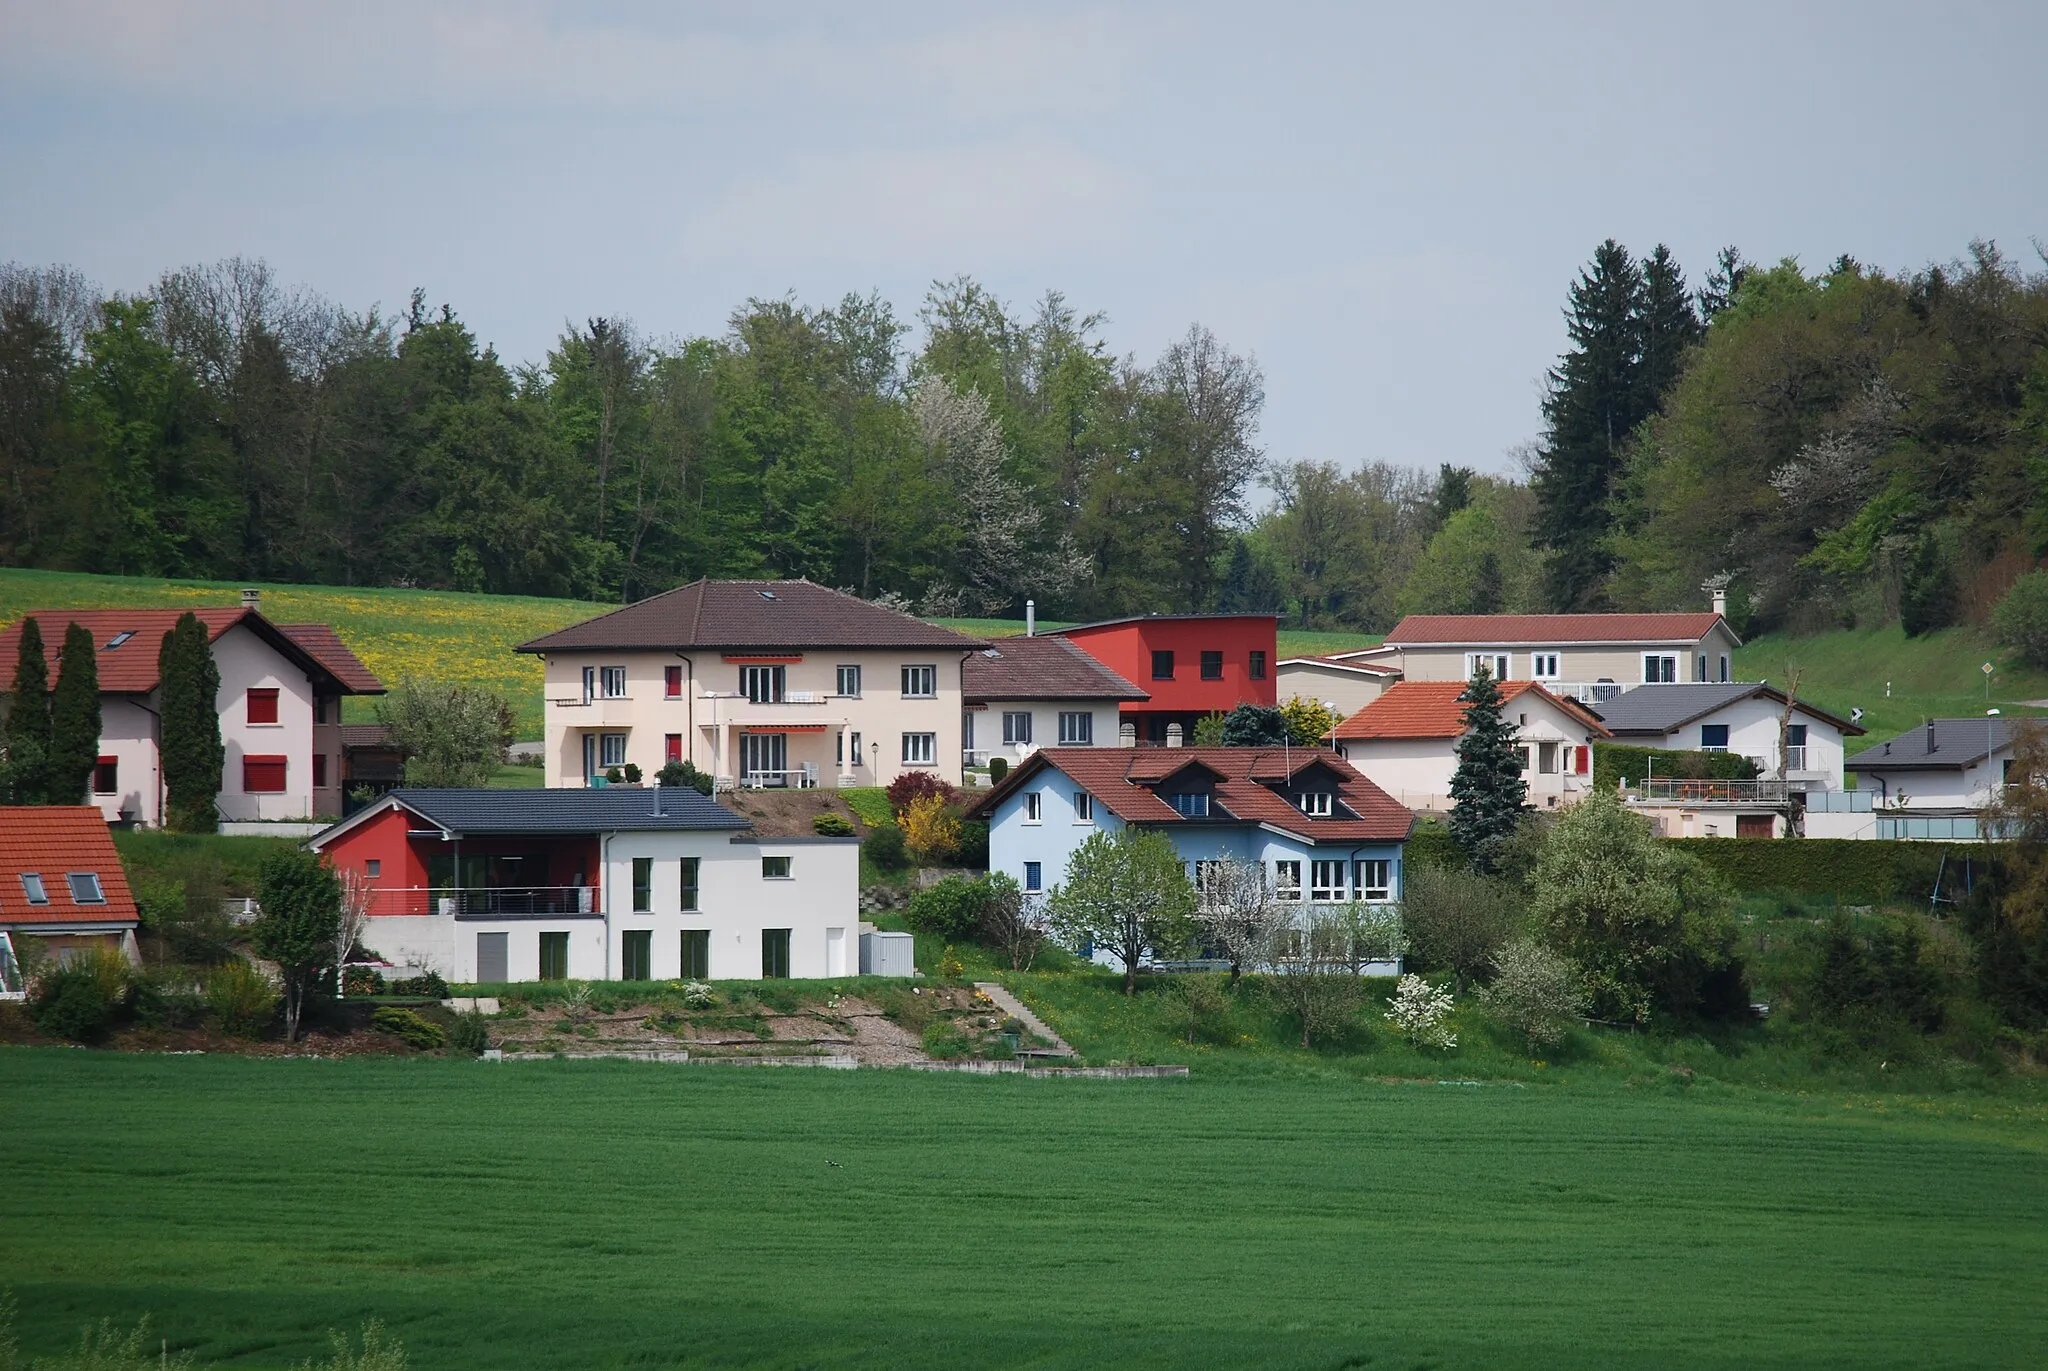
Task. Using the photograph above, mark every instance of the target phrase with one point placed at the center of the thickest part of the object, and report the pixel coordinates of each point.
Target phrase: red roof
(1548, 630)
(52, 841)
(1120, 779)
(1431, 709)
(1043, 668)
(127, 664)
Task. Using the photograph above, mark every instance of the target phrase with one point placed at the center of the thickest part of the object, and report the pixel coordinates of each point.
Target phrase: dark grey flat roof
(1956, 743)
(605, 809)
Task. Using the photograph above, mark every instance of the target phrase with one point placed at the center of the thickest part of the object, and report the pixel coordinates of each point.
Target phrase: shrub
(379, 1352)
(167, 1001)
(1535, 992)
(698, 995)
(931, 830)
(1254, 726)
(1616, 763)
(1456, 919)
(681, 775)
(1200, 1006)
(614, 776)
(408, 1027)
(362, 980)
(1420, 1010)
(1208, 730)
(72, 1002)
(945, 1042)
(1308, 720)
(469, 1035)
(951, 910)
(1862, 981)
(2021, 618)
(1869, 870)
(916, 785)
(831, 825)
(884, 846)
(427, 985)
(950, 966)
(241, 999)
(998, 769)
(973, 849)
(633, 773)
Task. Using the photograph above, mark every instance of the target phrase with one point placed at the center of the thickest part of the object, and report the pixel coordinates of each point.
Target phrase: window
(1546, 758)
(589, 684)
(1258, 672)
(611, 749)
(554, 956)
(1032, 806)
(612, 680)
(696, 954)
(106, 776)
(319, 709)
(1162, 666)
(1724, 666)
(1084, 807)
(1287, 880)
(1543, 666)
(32, 888)
(263, 705)
(1077, 728)
(1700, 668)
(774, 954)
(319, 770)
(1372, 879)
(853, 746)
(373, 868)
(1034, 877)
(1659, 669)
(1016, 727)
(691, 870)
(636, 955)
(1795, 735)
(1496, 664)
(775, 868)
(763, 685)
(920, 748)
(1713, 737)
(849, 681)
(85, 887)
(1326, 880)
(1193, 804)
(1316, 804)
(119, 638)
(643, 891)
(920, 682)
(262, 775)
(672, 747)
(1212, 666)
(672, 683)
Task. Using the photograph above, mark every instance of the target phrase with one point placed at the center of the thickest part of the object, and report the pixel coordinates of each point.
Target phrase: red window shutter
(674, 750)
(672, 682)
(106, 776)
(319, 770)
(262, 775)
(263, 706)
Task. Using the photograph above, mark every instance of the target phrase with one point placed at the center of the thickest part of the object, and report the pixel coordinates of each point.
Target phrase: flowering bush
(917, 785)
(698, 995)
(930, 830)
(1419, 1010)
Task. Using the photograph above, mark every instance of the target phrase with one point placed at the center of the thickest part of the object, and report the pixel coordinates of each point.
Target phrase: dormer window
(1193, 804)
(1316, 804)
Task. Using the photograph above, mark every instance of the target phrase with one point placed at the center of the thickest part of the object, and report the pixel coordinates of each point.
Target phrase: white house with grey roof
(1739, 717)
(1943, 764)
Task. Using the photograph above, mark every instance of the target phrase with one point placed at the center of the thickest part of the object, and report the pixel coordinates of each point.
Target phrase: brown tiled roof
(1548, 630)
(1040, 669)
(52, 841)
(330, 651)
(130, 669)
(366, 735)
(1120, 779)
(750, 614)
(1431, 709)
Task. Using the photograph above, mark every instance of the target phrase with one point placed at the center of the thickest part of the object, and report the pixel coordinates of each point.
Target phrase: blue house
(1324, 833)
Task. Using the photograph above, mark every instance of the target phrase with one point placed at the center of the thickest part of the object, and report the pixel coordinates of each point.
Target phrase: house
(62, 888)
(611, 883)
(1029, 692)
(1406, 741)
(759, 683)
(1344, 681)
(1957, 764)
(1189, 665)
(280, 695)
(1735, 717)
(1323, 833)
(1591, 657)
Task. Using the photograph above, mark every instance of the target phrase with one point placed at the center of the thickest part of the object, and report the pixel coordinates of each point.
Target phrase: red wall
(1127, 648)
(405, 859)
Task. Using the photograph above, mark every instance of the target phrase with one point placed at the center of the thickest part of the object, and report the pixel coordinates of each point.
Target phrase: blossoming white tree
(1419, 1010)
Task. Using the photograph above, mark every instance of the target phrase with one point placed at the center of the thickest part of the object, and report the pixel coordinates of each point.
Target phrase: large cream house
(760, 683)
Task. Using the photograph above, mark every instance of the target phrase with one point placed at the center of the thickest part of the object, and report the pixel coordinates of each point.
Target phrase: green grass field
(558, 1214)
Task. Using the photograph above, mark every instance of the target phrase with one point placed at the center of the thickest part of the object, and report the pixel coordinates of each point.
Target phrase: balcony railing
(484, 902)
(1707, 792)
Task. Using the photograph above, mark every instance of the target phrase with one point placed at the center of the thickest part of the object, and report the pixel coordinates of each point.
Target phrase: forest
(1842, 448)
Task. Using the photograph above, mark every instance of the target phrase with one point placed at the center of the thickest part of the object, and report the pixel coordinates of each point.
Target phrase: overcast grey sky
(1384, 204)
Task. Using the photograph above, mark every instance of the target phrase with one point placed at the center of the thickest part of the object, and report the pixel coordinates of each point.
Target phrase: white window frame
(611, 682)
(1363, 876)
(1668, 668)
(773, 680)
(589, 684)
(920, 749)
(1287, 880)
(608, 755)
(1084, 807)
(1727, 735)
(1545, 666)
(1724, 667)
(788, 872)
(920, 683)
(1321, 891)
(1189, 797)
(849, 682)
(1077, 728)
(1317, 804)
(1546, 757)
(1016, 727)
(1499, 663)
(1034, 877)
(1034, 807)
(853, 746)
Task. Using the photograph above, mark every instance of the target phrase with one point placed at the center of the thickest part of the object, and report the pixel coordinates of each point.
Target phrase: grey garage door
(490, 957)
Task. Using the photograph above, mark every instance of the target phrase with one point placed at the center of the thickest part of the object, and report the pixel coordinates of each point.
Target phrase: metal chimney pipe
(1031, 618)
(1930, 735)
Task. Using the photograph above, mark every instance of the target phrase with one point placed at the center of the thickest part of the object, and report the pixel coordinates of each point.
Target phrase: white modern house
(1406, 741)
(1025, 693)
(1743, 718)
(1943, 764)
(613, 883)
(1345, 681)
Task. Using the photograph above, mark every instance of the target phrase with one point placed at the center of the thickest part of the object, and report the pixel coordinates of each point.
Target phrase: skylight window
(85, 887)
(765, 594)
(119, 638)
(32, 888)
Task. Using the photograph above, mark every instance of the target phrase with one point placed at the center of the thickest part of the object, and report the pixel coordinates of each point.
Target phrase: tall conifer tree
(74, 719)
(1488, 792)
(192, 751)
(28, 720)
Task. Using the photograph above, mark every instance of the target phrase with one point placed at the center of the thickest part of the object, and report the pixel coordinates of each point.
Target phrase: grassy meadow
(557, 1214)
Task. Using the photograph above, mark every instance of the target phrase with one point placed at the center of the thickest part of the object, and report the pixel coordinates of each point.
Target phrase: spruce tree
(1722, 283)
(1488, 794)
(28, 720)
(74, 719)
(189, 684)
(1669, 327)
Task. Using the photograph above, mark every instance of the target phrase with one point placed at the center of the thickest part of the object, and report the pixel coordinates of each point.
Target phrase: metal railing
(1696, 792)
(483, 901)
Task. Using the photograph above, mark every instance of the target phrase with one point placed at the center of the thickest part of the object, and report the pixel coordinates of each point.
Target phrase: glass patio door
(764, 759)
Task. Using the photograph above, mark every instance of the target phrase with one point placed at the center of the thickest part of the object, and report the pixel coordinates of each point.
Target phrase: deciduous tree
(450, 734)
(299, 926)
(1125, 893)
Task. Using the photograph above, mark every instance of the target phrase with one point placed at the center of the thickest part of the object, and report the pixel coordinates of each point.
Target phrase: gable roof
(1658, 709)
(1119, 778)
(127, 665)
(602, 809)
(1550, 630)
(750, 614)
(1956, 744)
(1343, 662)
(53, 841)
(1044, 668)
(1431, 709)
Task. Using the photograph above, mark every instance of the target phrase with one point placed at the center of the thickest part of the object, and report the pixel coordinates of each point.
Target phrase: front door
(764, 759)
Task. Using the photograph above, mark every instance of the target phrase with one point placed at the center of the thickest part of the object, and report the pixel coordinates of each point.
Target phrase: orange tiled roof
(1548, 630)
(52, 841)
(1431, 709)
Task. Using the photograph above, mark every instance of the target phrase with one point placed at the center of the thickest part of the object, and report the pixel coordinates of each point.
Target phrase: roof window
(765, 594)
(32, 887)
(85, 887)
(119, 638)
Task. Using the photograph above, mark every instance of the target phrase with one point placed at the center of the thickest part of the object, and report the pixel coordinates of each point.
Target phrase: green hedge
(1431, 845)
(1616, 762)
(1853, 869)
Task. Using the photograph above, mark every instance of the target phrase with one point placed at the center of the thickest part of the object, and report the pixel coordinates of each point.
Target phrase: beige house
(760, 683)
(1025, 693)
(1405, 742)
(1344, 681)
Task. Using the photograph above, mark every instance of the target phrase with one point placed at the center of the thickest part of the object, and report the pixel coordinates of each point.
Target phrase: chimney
(1721, 601)
(1031, 618)
(1930, 735)
(252, 599)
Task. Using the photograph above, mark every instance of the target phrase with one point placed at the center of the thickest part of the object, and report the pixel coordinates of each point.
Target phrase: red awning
(784, 728)
(746, 659)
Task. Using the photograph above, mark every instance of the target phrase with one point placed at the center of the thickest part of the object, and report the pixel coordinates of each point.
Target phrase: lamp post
(1990, 785)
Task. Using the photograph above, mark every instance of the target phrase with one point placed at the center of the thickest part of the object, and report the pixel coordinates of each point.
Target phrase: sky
(1384, 205)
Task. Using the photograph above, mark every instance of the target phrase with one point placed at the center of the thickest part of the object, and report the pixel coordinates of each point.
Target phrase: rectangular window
(1543, 666)
(1659, 669)
(672, 747)
(690, 870)
(672, 683)
(1162, 666)
(1212, 666)
(554, 956)
(775, 868)
(774, 954)
(920, 749)
(696, 954)
(1077, 728)
(1316, 804)
(262, 775)
(1713, 737)
(1034, 877)
(849, 681)
(263, 706)
(1084, 807)
(319, 709)
(106, 776)
(1373, 879)
(1546, 759)
(319, 770)
(1724, 666)
(1032, 806)
(1700, 668)
(643, 889)
(32, 888)
(612, 680)
(1016, 727)
(920, 682)
(1258, 671)
(763, 685)
(1192, 804)
(611, 749)
(85, 887)
(1495, 663)
(1326, 880)
(636, 955)
(1287, 880)
(589, 684)
(373, 868)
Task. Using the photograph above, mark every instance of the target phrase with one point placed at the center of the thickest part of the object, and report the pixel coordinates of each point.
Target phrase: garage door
(490, 957)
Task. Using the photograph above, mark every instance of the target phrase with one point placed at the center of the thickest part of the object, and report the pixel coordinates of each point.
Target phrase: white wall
(1969, 788)
(1417, 771)
(736, 902)
(247, 662)
(1753, 732)
(128, 733)
(1045, 725)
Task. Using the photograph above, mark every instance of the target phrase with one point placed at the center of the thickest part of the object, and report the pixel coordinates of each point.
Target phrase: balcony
(486, 902)
(1658, 790)
(617, 712)
(800, 709)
